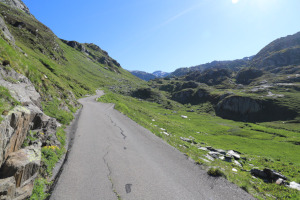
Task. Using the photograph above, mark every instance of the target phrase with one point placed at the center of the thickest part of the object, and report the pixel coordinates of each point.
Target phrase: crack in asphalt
(109, 173)
(115, 125)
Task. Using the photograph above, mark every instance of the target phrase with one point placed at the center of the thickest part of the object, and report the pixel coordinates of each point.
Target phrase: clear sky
(151, 35)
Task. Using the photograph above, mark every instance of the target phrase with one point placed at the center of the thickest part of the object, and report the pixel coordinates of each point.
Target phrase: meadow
(273, 145)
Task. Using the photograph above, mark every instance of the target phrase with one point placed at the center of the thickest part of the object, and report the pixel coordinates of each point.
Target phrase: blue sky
(151, 35)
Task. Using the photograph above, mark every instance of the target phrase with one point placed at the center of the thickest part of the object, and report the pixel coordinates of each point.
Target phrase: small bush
(216, 172)
(5, 62)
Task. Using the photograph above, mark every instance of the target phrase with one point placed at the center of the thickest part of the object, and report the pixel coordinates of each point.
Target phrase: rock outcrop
(13, 131)
(17, 4)
(8, 188)
(22, 164)
(19, 171)
(6, 32)
(240, 105)
(243, 108)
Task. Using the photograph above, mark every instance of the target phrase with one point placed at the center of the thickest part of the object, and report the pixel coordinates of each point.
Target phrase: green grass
(7, 102)
(38, 192)
(263, 145)
(50, 156)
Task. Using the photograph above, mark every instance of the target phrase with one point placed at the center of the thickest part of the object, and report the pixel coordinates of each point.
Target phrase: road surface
(113, 157)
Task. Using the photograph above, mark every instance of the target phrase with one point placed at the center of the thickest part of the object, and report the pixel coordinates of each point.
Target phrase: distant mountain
(160, 74)
(282, 52)
(143, 75)
(234, 65)
(149, 76)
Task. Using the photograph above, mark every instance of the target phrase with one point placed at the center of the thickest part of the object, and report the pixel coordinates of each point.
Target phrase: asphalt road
(113, 157)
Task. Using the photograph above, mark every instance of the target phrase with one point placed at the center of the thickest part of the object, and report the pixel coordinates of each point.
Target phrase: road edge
(70, 132)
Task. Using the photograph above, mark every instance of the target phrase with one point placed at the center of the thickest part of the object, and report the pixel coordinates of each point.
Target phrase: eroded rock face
(22, 164)
(7, 188)
(253, 110)
(242, 105)
(17, 4)
(13, 131)
(237, 107)
(5, 31)
(21, 89)
(19, 171)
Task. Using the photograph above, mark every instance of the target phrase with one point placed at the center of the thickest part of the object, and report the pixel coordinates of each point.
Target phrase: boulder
(7, 188)
(23, 165)
(268, 174)
(273, 175)
(233, 154)
(237, 163)
(13, 131)
(227, 158)
(210, 148)
(259, 173)
(280, 181)
(214, 154)
(294, 185)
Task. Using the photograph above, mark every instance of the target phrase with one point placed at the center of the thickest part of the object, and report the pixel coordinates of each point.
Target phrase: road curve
(113, 157)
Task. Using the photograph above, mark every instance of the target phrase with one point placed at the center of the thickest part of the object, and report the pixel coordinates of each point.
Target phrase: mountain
(232, 65)
(248, 89)
(149, 76)
(160, 74)
(143, 75)
(278, 54)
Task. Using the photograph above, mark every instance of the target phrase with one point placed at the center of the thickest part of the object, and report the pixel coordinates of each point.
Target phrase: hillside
(41, 78)
(279, 54)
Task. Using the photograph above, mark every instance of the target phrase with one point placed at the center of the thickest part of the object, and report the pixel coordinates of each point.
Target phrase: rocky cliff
(243, 108)
(17, 4)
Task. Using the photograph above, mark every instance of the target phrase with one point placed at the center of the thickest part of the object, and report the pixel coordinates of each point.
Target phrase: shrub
(216, 172)
(5, 62)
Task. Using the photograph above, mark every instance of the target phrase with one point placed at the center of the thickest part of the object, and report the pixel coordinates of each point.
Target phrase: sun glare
(235, 1)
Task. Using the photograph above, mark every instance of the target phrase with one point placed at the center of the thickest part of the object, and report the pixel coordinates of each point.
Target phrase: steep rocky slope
(282, 52)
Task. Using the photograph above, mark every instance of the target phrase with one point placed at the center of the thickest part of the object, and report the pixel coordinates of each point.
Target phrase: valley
(224, 128)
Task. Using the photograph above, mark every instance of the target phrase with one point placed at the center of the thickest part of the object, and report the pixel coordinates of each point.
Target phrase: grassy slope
(263, 144)
(57, 70)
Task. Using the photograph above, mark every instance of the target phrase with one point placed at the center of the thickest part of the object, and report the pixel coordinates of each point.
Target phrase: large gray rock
(13, 131)
(294, 185)
(17, 4)
(5, 31)
(21, 89)
(23, 165)
(268, 174)
(7, 188)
